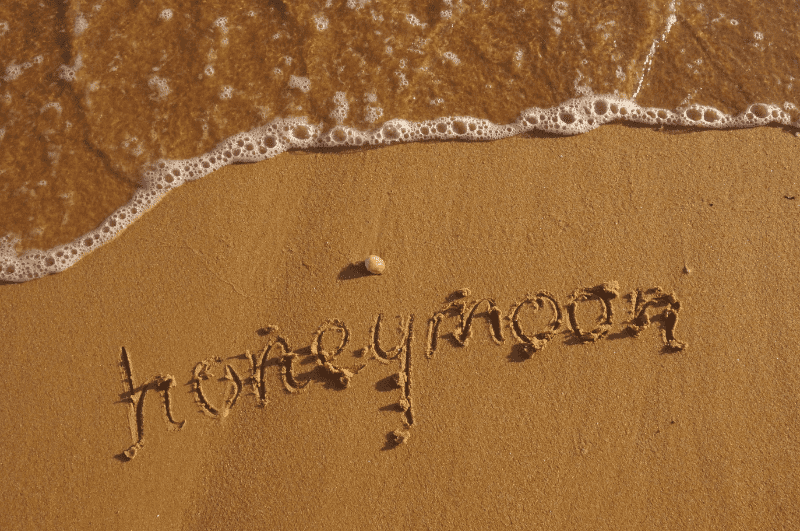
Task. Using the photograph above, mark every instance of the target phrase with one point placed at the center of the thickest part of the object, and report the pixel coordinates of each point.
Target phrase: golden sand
(619, 430)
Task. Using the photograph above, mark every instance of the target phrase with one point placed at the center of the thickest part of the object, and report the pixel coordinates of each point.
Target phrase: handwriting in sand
(460, 307)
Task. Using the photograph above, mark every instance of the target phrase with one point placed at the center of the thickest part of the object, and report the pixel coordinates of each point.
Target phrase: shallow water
(106, 106)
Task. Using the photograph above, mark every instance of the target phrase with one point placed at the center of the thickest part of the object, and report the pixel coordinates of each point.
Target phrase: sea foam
(573, 117)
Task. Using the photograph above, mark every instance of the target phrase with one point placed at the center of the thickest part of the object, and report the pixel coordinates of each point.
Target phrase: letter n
(644, 299)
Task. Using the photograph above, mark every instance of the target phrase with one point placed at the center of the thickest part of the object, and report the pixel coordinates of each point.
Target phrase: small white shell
(375, 264)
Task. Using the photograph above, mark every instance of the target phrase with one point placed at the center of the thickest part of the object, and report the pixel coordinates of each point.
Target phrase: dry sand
(621, 433)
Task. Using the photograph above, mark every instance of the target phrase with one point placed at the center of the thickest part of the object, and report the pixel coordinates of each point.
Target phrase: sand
(619, 432)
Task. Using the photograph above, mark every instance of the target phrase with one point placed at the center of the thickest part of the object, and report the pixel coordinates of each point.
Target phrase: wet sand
(619, 433)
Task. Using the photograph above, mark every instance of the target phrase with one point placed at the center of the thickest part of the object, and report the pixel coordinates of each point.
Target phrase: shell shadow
(352, 271)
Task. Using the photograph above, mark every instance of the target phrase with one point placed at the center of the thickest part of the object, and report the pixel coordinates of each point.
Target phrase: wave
(574, 116)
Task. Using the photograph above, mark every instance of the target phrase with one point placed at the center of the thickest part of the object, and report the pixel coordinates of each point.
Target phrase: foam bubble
(52, 105)
(67, 72)
(453, 58)
(373, 114)
(222, 23)
(80, 24)
(165, 14)
(302, 83)
(342, 108)
(160, 85)
(560, 8)
(414, 21)
(12, 72)
(321, 22)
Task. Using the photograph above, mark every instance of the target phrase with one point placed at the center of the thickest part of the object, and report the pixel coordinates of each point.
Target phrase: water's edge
(572, 117)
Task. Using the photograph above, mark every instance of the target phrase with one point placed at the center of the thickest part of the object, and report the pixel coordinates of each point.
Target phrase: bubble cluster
(453, 58)
(67, 72)
(80, 24)
(302, 83)
(414, 21)
(12, 73)
(570, 118)
(321, 21)
(160, 85)
(342, 108)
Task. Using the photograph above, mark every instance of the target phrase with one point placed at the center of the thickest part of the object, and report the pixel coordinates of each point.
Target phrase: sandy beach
(692, 424)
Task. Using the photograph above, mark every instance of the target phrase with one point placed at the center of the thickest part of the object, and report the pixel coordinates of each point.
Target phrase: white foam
(342, 108)
(373, 114)
(414, 21)
(160, 85)
(572, 117)
(12, 73)
(560, 8)
(321, 22)
(302, 83)
(165, 14)
(52, 105)
(453, 58)
(67, 72)
(81, 24)
(357, 4)
(648, 61)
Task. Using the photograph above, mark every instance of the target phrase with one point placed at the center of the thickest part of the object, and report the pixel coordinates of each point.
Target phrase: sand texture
(228, 363)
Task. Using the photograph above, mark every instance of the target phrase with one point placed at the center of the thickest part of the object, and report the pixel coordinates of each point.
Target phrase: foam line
(572, 117)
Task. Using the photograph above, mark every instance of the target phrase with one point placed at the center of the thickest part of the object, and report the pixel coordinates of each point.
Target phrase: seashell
(375, 264)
